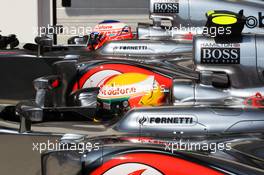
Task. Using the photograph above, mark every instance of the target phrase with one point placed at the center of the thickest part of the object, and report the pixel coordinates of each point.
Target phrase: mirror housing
(44, 41)
(29, 112)
(78, 40)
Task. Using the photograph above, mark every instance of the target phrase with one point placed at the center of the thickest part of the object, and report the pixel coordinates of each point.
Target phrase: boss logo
(220, 55)
(166, 8)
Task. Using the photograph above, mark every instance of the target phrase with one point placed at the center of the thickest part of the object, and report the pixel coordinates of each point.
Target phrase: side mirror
(66, 3)
(44, 41)
(32, 111)
(28, 112)
(78, 40)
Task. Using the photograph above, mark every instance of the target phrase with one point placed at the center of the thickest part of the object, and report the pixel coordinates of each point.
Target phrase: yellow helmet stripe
(210, 12)
(223, 14)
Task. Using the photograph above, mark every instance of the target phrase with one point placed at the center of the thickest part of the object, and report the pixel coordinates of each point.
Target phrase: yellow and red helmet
(129, 90)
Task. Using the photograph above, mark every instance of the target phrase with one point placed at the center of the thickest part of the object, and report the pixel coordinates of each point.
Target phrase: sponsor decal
(118, 91)
(131, 48)
(104, 27)
(99, 75)
(142, 120)
(127, 85)
(110, 26)
(212, 53)
(112, 29)
(133, 169)
(253, 21)
(165, 6)
(167, 120)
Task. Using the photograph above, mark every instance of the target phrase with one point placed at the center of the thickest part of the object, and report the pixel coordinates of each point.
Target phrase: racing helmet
(230, 22)
(256, 101)
(122, 92)
(108, 30)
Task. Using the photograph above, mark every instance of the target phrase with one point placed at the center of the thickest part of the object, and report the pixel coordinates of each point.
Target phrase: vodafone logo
(133, 169)
(104, 27)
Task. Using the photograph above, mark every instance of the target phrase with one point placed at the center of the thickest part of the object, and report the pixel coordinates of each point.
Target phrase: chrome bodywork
(145, 47)
(197, 106)
(190, 16)
(250, 68)
(251, 57)
(191, 121)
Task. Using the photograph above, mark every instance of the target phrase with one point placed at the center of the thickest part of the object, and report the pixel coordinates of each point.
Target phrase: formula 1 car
(161, 40)
(142, 156)
(197, 101)
(43, 54)
(188, 16)
(216, 91)
(17, 61)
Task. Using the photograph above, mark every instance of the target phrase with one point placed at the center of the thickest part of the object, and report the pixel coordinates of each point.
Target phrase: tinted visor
(94, 38)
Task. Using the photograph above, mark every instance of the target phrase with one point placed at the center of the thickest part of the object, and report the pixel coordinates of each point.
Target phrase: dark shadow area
(109, 7)
(17, 74)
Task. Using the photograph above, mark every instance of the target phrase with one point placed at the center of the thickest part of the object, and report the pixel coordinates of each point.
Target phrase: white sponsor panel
(96, 79)
(130, 168)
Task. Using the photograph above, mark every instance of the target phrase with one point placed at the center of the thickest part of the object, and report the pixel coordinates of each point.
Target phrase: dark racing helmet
(234, 22)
